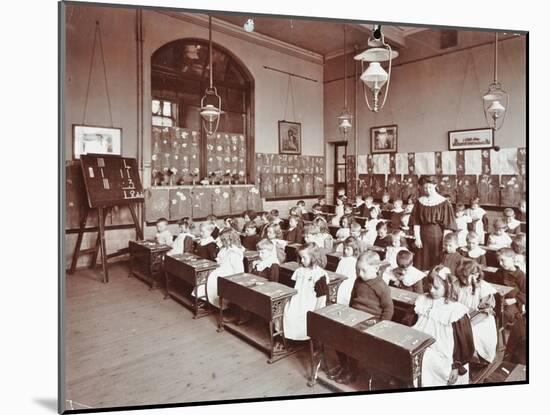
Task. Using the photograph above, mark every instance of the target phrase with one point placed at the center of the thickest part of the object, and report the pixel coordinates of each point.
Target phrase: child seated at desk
(479, 219)
(404, 275)
(267, 266)
(462, 220)
(250, 237)
(367, 206)
(371, 225)
(473, 250)
(301, 207)
(398, 244)
(371, 294)
(450, 257)
(274, 217)
(510, 275)
(519, 247)
(360, 236)
(275, 235)
(386, 205)
(250, 216)
(512, 224)
(338, 210)
(322, 202)
(163, 235)
(382, 240)
(311, 286)
(324, 233)
(347, 267)
(446, 320)
(499, 238)
(230, 260)
(230, 223)
(295, 232)
(343, 233)
(396, 214)
(359, 202)
(216, 231)
(477, 294)
(348, 209)
(207, 247)
(317, 210)
(184, 241)
(265, 220)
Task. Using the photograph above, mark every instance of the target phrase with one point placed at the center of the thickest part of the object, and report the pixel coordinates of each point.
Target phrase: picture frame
(383, 139)
(471, 139)
(96, 139)
(290, 137)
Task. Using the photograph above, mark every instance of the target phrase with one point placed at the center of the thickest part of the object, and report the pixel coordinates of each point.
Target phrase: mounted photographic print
(471, 139)
(383, 139)
(290, 137)
(89, 139)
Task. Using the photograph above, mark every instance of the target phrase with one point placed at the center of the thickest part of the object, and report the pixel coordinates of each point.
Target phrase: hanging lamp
(211, 113)
(496, 100)
(374, 77)
(345, 117)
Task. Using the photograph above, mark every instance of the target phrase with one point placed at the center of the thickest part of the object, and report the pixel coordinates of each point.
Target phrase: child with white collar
(513, 225)
(184, 240)
(163, 236)
(472, 250)
(404, 275)
(207, 247)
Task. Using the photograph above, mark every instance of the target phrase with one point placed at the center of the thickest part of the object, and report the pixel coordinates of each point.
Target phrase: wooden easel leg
(76, 252)
(93, 260)
(101, 220)
(139, 231)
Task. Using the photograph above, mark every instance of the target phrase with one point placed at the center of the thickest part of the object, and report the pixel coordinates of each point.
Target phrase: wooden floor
(125, 345)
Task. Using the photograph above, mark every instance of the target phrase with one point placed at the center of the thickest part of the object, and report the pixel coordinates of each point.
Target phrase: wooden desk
(291, 251)
(333, 258)
(403, 305)
(193, 271)
(334, 280)
(386, 214)
(146, 258)
(508, 372)
(249, 258)
(361, 220)
(263, 298)
(491, 256)
(381, 346)
(333, 229)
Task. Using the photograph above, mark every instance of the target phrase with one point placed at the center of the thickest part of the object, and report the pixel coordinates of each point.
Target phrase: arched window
(179, 77)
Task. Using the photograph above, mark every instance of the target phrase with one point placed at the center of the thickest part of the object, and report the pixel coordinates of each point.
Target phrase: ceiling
(326, 37)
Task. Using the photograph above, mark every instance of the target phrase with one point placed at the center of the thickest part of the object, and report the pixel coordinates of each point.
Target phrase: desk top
(261, 285)
(251, 254)
(332, 276)
(404, 296)
(402, 336)
(194, 261)
(343, 314)
(151, 245)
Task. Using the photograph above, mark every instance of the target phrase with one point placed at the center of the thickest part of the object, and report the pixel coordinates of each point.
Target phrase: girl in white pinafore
(230, 260)
(310, 282)
(445, 362)
(477, 294)
(347, 267)
(477, 213)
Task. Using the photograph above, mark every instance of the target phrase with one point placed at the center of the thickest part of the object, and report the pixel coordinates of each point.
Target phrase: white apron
(346, 267)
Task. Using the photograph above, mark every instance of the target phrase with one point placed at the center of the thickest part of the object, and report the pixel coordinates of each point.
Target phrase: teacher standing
(431, 216)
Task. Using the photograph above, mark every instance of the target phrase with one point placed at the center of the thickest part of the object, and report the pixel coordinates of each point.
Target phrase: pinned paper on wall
(472, 162)
(401, 163)
(424, 163)
(362, 164)
(448, 162)
(381, 163)
(504, 161)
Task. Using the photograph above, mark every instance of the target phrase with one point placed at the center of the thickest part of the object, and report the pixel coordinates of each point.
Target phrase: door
(340, 151)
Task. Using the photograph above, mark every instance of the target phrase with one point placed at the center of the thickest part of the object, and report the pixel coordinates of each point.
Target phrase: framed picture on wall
(290, 137)
(88, 139)
(471, 139)
(383, 139)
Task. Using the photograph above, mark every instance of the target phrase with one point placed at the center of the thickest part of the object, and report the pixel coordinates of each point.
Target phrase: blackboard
(111, 180)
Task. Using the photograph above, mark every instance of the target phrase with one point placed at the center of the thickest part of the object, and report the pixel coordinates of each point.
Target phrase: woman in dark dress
(431, 216)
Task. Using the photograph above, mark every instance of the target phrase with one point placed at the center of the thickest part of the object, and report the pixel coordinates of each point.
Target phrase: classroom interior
(129, 338)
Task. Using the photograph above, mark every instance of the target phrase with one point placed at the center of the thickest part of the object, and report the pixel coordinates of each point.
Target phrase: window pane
(341, 175)
(162, 121)
(156, 106)
(167, 108)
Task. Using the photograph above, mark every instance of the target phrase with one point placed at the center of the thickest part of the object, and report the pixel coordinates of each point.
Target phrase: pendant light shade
(374, 76)
(496, 100)
(211, 112)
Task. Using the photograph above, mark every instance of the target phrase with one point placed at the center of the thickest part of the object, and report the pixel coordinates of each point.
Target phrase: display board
(111, 180)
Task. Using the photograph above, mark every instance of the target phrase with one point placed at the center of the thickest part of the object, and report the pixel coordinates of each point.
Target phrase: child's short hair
(351, 242)
(398, 200)
(185, 222)
(370, 257)
(161, 220)
(396, 234)
(373, 210)
(474, 201)
(381, 225)
(410, 200)
(509, 213)
(472, 236)
(369, 197)
(348, 206)
(506, 253)
(211, 218)
(404, 258)
(345, 217)
(274, 212)
(443, 274)
(358, 196)
(467, 267)
(519, 244)
(293, 211)
(355, 226)
(322, 224)
(251, 214)
(277, 229)
(207, 226)
(321, 198)
(317, 255)
(385, 194)
(451, 237)
(264, 244)
(300, 203)
(230, 237)
(316, 206)
(250, 225)
(460, 207)
(499, 224)
(270, 218)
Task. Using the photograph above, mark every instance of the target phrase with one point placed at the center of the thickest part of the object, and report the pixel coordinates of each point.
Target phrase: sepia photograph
(225, 254)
